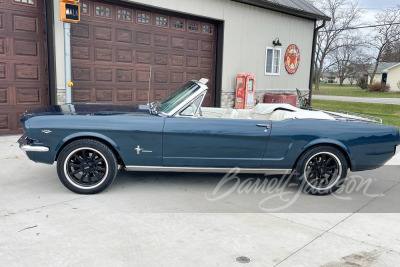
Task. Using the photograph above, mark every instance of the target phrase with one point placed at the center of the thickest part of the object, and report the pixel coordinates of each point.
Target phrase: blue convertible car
(89, 141)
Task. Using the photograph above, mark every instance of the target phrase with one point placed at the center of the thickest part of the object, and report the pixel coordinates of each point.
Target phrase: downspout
(310, 85)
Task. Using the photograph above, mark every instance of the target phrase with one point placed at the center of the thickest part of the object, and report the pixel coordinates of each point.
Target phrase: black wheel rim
(86, 167)
(323, 170)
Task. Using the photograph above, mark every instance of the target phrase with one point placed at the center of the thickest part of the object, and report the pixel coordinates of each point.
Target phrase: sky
(371, 7)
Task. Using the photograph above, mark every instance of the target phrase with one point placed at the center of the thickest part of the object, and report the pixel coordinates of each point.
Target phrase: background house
(393, 74)
(116, 42)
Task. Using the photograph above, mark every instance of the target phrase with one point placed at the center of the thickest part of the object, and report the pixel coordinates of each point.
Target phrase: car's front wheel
(321, 170)
(87, 166)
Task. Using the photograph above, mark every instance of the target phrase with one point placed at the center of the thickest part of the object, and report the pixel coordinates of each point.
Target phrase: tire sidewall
(300, 168)
(95, 145)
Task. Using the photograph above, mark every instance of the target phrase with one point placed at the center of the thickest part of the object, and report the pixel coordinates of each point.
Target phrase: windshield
(177, 97)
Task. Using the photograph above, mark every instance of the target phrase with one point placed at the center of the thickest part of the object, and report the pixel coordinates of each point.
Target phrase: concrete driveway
(376, 100)
(175, 219)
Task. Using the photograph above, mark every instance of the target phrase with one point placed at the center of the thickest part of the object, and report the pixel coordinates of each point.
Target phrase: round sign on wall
(292, 59)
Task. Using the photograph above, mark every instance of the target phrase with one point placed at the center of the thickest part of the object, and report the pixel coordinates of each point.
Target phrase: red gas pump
(245, 83)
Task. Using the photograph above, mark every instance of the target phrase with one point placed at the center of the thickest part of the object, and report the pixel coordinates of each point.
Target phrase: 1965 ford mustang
(89, 141)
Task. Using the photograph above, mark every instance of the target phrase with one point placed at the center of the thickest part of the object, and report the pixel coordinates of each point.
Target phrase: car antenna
(148, 94)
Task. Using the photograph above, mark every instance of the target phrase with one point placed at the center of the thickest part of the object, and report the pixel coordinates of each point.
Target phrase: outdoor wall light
(276, 42)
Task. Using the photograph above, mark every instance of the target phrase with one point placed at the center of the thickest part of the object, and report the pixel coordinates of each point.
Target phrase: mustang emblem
(139, 149)
(46, 131)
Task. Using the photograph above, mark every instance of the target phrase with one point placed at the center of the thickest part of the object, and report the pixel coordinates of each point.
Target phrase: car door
(214, 142)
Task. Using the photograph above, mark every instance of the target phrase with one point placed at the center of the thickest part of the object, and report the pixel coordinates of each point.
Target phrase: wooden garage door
(113, 47)
(23, 58)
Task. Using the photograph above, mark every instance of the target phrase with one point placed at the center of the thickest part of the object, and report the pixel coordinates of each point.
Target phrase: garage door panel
(111, 58)
(25, 23)
(102, 33)
(124, 76)
(103, 54)
(81, 74)
(80, 52)
(24, 72)
(26, 48)
(28, 95)
(3, 96)
(143, 57)
(104, 95)
(81, 95)
(103, 75)
(143, 38)
(124, 36)
(80, 30)
(125, 56)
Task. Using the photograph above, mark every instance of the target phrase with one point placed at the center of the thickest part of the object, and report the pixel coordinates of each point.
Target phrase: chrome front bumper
(25, 146)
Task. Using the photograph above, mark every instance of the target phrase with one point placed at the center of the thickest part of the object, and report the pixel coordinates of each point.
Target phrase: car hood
(89, 110)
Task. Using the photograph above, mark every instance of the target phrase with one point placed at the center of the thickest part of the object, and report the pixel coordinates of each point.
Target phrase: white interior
(274, 112)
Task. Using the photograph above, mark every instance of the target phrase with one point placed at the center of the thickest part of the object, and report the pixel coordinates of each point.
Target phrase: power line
(361, 27)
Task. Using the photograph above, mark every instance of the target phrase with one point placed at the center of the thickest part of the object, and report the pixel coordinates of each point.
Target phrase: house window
(103, 11)
(207, 29)
(193, 26)
(29, 2)
(123, 14)
(272, 61)
(84, 8)
(143, 18)
(178, 24)
(161, 21)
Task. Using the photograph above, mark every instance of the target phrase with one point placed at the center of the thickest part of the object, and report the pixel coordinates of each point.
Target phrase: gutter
(310, 84)
(285, 9)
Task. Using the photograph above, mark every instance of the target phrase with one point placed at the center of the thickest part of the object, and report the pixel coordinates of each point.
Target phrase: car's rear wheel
(87, 166)
(321, 170)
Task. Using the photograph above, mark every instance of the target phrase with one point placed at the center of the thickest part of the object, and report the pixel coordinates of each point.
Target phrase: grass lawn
(390, 114)
(350, 90)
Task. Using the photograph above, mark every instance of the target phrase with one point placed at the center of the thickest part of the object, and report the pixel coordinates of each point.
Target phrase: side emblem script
(139, 149)
(46, 131)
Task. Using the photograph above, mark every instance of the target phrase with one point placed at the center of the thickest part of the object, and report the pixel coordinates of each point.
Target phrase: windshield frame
(156, 106)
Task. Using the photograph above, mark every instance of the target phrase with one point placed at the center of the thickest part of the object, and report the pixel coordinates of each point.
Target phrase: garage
(23, 59)
(114, 47)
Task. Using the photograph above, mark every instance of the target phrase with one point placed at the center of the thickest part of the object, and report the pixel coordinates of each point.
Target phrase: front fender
(80, 135)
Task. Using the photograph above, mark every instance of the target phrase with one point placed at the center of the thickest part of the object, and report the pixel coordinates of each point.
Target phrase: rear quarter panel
(367, 146)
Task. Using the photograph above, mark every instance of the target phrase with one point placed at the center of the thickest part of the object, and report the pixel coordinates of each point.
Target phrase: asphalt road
(394, 101)
(176, 219)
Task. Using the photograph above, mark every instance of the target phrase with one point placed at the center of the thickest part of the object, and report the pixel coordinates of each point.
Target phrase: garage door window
(161, 21)
(272, 61)
(143, 18)
(103, 11)
(207, 29)
(193, 26)
(123, 14)
(178, 24)
(85, 8)
(29, 2)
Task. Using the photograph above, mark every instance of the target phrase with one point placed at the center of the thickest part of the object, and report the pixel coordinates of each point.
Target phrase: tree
(391, 53)
(345, 57)
(386, 35)
(344, 14)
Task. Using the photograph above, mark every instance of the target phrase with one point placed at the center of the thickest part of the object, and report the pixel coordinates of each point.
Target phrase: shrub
(362, 83)
(378, 87)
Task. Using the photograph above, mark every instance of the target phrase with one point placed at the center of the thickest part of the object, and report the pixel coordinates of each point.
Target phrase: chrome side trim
(34, 148)
(205, 169)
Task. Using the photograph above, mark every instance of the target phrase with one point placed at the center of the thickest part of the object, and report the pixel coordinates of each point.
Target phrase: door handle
(263, 125)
